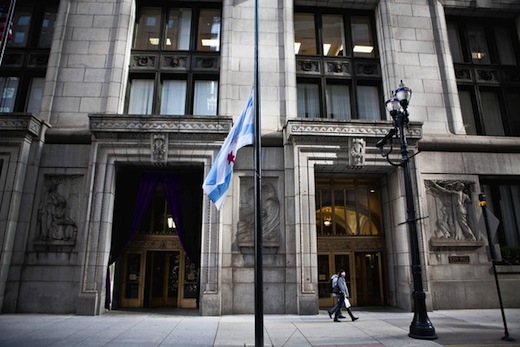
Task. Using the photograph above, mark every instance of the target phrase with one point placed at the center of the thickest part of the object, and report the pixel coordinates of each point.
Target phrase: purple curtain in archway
(147, 187)
(145, 194)
(171, 184)
(181, 204)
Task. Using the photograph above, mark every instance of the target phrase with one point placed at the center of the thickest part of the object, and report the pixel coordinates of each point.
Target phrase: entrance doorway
(363, 276)
(350, 237)
(157, 219)
(159, 279)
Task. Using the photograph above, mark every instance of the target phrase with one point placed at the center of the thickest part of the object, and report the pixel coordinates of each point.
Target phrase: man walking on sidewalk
(341, 293)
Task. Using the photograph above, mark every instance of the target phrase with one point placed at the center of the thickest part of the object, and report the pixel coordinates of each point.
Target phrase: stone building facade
(114, 111)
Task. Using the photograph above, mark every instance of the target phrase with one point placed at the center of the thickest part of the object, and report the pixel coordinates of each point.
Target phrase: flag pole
(259, 298)
(5, 34)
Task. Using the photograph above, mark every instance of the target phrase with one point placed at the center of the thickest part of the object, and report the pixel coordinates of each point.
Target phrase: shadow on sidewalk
(161, 311)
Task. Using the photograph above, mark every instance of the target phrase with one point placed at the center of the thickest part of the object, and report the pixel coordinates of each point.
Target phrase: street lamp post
(397, 106)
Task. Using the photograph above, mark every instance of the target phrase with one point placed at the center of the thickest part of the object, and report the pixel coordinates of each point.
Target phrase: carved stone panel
(338, 68)
(206, 63)
(511, 76)
(38, 60)
(143, 61)
(174, 62)
(13, 59)
(368, 69)
(451, 210)
(155, 242)
(270, 214)
(58, 210)
(308, 66)
(159, 150)
(487, 76)
(350, 244)
(463, 74)
(356, 152)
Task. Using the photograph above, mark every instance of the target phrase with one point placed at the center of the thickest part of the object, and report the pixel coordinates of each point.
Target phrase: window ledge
(120, 125)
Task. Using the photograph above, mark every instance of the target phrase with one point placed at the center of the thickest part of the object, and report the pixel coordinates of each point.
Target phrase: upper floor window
(25, 60)
(486, 59)
(175, 61)
(338, 73)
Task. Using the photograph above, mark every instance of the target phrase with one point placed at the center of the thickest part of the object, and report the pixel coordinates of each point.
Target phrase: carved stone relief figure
(270, 218)
(443, 228)
(357, 152)
(159, 147)
(451, 217)
(54, 222)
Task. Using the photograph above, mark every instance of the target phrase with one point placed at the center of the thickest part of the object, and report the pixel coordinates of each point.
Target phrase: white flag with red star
(218, 180)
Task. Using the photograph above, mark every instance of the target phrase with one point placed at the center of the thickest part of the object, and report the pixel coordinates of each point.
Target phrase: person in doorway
(341, 294)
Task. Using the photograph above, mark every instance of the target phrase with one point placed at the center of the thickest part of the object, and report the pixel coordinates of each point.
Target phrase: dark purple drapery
(172, 187)
(172, 190)
(145, 194)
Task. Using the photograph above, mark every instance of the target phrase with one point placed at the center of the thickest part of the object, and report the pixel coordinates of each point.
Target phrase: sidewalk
(376, 327)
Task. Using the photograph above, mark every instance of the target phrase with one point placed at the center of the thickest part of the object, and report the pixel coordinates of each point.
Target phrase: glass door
(174, 260)
(159, 279)
(133, 284)
(369, 279)
(324, 274)
(190, 284)
(328, 264)
(162, 278)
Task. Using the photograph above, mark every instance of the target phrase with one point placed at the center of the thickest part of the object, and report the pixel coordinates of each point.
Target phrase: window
(9, 87)
(503, 200)
(338, 71)
(25, 59)
(141, 96)
(35, 95)
(347, 209)
(173, 98)
(338, 106)
(175, 61)
(158, 219)
(485, 56)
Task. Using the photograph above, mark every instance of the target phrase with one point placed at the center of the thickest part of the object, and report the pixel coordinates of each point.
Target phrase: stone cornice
(300, 131)
(19, 125)
(470, 143)
(115, 125)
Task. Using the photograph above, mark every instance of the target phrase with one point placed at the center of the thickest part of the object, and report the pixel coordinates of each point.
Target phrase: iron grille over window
(175, 61)
(338, 71)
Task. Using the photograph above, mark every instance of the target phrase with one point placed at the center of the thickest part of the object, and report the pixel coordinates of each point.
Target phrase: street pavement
(376, 327)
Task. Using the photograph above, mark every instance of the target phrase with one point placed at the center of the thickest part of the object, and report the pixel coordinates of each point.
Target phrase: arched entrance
(156, 237)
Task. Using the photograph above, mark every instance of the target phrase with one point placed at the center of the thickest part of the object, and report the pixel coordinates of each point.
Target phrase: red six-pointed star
(230, 158)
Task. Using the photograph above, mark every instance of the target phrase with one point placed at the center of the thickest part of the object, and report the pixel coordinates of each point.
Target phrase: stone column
(19, 133)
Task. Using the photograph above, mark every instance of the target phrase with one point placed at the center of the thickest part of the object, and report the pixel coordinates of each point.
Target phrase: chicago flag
(218, 180)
